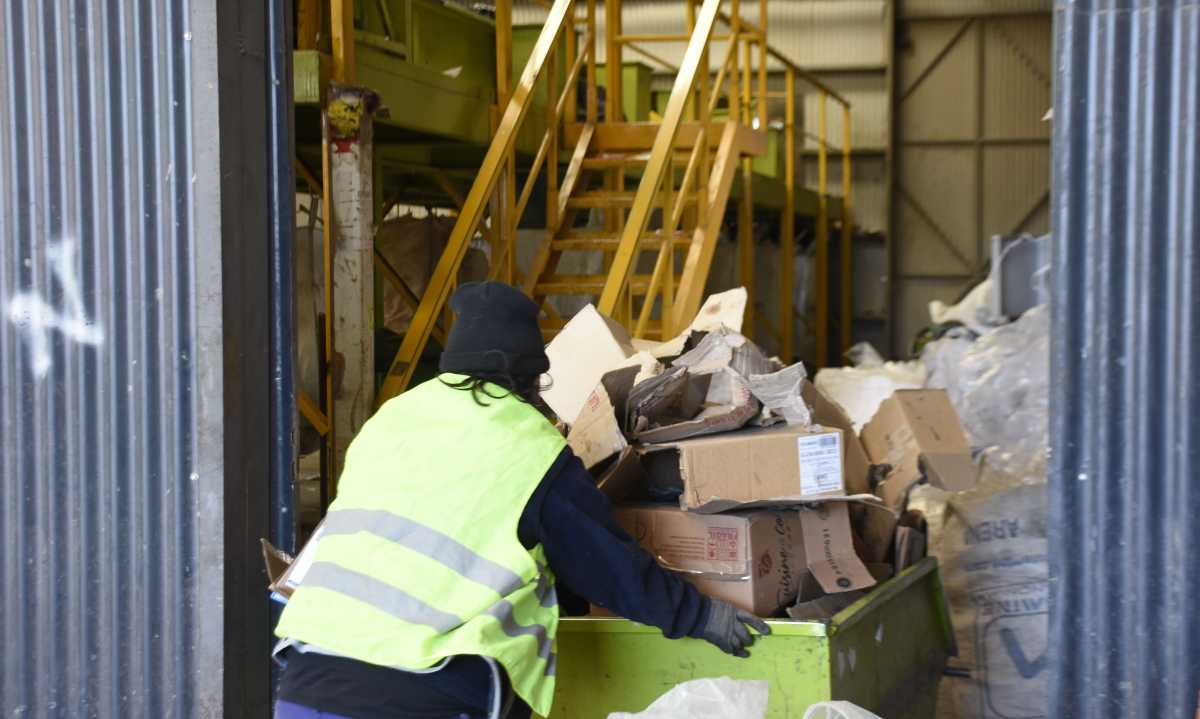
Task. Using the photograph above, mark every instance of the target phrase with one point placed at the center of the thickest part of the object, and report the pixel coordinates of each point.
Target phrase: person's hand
(727, 628)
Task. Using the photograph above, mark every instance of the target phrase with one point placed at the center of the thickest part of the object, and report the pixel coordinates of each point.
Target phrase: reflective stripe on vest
(419, 558)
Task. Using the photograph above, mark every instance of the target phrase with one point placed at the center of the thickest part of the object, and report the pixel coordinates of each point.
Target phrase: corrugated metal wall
(1125, 495)
(134, 435)
(98, 353)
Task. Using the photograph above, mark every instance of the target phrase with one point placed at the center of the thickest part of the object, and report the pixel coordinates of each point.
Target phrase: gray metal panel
(1125, 431)
(972, 151)
(98, 348)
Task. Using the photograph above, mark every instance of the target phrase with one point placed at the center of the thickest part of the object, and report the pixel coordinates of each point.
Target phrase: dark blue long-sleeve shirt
(587, 551)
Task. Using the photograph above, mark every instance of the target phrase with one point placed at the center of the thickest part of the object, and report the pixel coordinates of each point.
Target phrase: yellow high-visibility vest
(419, 559)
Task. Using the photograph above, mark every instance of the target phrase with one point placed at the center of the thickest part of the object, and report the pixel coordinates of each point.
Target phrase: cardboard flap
(829, 547)
(275, 560)
(596, 435)
(625, 479)
(589, 345)
(951, 472)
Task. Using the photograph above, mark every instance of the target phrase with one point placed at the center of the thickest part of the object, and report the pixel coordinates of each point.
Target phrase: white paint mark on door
(37, 318)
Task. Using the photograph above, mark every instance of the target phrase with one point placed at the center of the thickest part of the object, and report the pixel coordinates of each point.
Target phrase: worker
(432, 592)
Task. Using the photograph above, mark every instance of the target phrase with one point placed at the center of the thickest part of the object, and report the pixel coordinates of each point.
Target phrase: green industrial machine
(885, 653)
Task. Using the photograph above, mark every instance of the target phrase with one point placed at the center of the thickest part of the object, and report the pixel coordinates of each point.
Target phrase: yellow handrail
(660, 155)
(400, 373)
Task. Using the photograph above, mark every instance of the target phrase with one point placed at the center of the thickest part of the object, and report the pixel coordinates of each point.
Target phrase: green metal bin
(885, 653)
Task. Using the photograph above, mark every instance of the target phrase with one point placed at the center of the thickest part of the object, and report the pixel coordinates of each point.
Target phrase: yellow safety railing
(499, 164)
(657, 187)
(787, 228)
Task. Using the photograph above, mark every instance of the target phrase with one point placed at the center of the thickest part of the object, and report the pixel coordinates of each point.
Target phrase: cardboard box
(754, 560)
(752, 468)
(918, 434)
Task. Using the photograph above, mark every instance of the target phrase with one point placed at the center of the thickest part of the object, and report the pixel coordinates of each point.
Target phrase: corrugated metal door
(972, 152)
(138, 240)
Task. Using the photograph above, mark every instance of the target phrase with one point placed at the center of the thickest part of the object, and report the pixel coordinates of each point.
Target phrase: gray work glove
(726, 628)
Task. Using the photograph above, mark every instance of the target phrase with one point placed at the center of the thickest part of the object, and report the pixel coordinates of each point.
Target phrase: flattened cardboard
(753, 468)
(754, 560)
(599, 430)
(596, 435)
(918, 433)
(830, 548)
(814, 604)
(723, 347)
(721, 401)
(589, 345)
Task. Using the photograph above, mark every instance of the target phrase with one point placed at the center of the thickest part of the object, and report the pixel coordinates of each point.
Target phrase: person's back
(457, 502)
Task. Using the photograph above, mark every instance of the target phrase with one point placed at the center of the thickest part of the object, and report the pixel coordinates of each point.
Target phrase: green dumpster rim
(841, 621)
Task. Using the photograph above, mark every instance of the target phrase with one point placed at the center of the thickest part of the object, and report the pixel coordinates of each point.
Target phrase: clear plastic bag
(838, 710)
(715, 698)
(999, 384)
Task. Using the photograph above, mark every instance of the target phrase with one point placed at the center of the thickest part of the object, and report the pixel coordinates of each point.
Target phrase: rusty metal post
(353, 278)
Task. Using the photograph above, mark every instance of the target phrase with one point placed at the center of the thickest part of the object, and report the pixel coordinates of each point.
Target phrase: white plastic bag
(716, 698)
(838, 710)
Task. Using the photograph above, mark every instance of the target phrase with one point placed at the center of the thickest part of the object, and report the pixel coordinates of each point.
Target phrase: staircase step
(609, 242)
(600, 198)
(609, 198)
(584, 284)
(612, 161)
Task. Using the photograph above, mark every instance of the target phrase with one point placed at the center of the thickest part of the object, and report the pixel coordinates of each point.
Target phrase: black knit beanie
(495, 332)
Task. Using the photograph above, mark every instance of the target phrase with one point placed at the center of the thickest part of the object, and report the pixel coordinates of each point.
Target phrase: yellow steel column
(591, 62)
(746, 206)
(847, 251)
(341, 22)
(787, 227)
(503, 207)
(612, 61)
(308, 23)
(822, 289)
(552, 140)
(762, 66)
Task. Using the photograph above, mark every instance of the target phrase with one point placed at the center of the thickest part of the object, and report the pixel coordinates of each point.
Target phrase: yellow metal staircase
(660, 188)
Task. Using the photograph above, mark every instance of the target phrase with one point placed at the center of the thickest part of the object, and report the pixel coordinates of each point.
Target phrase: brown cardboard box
(754, 560)
(917, 432)
(752, 468)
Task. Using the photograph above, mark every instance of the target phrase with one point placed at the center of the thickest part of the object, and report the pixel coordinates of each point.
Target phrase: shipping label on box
(820, 463)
